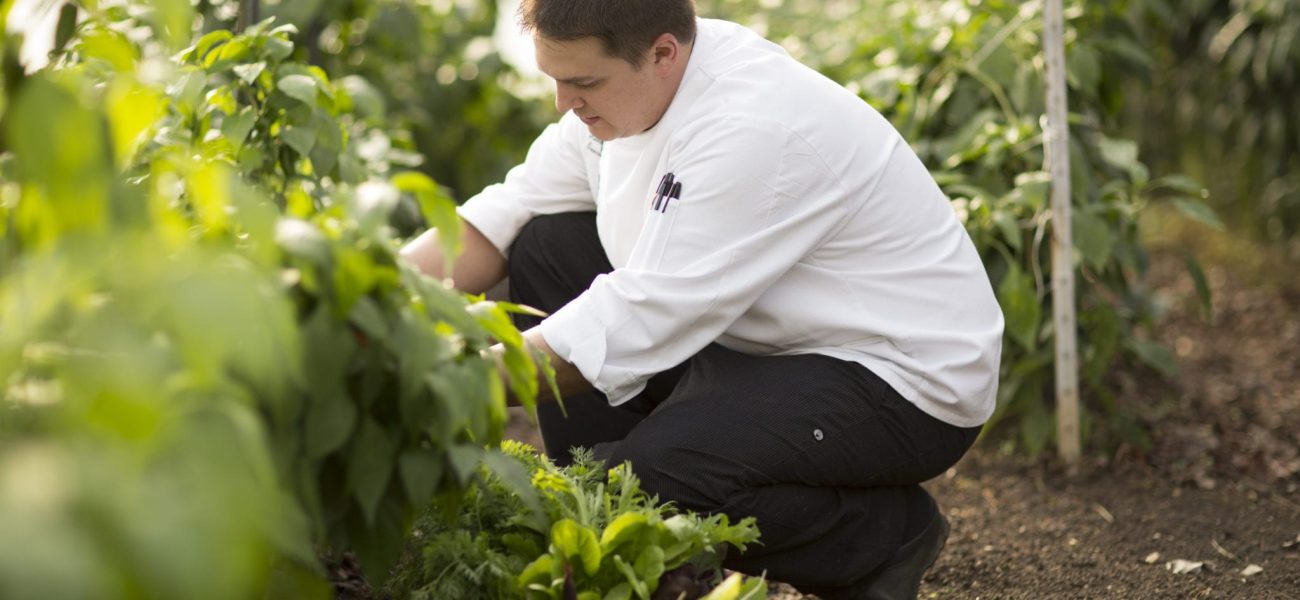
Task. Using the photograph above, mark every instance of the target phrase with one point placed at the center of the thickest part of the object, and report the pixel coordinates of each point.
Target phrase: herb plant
(587, 533)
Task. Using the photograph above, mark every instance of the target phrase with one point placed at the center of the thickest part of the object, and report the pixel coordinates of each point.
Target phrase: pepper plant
(205, 242)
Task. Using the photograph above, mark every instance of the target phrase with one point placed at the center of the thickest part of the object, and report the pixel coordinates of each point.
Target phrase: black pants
(826, 455)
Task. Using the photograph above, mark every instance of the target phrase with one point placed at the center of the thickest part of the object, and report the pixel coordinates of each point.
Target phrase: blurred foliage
(205, 373)
(963, 80)
(438, 75)
(1220, 102)
(595, 532)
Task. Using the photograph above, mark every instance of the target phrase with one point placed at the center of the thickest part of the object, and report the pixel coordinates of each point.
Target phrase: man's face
(614, 99)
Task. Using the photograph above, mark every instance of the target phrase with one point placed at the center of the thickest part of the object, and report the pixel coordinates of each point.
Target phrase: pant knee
(543, 235)
(672, 475)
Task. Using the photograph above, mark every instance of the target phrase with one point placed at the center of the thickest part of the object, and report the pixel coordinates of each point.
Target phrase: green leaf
(236, 127)
(650, 565)
(1100, 330)
(1083, 68)
(378, 542)
(63, 155)
(330, 419)
(464, 460)
(1020, 306)
(622, 591)
(370, 466)
(753, 589)
(209, 41)
(439, 211)
(301, 139)
(1202, 287)
(522, 309)
(1009, 227)
(323, 160)
(1181, 184)
(1033, 187)
(1119, 153)
(173, 21)
(1036, 428)
(624, 528)
(328, 133)
(353, 277)
(300, 87)
(537, 572)
(522, 544)
(278, 48)
(132, 109)
(1093, 238)
(639, 587)
(367, 316)
(515, 477)
(421, 471)
(1155, 355)
(248, 72)
(229, 53)
(327, 351)
(1199, 211)
(577, 544)
(111, 47)
(729, 589)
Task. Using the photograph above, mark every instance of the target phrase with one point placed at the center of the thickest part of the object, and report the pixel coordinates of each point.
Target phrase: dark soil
(1218, 483)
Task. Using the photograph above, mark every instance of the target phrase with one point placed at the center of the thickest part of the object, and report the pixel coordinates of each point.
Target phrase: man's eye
(586, 85)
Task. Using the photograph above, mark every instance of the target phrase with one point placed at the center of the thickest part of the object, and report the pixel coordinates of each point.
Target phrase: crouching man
(757, 293)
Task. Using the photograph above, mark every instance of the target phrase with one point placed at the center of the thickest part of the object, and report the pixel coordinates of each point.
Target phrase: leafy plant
(160, 308)
(592, 534)
(435, 70)
(1219, 101)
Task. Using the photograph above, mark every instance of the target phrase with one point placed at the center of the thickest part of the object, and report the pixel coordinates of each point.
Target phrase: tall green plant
(963, 82)
(171, 327)
(435, 70)
(1220, 102)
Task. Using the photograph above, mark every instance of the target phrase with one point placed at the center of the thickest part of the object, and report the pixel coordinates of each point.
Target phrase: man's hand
(568, 378)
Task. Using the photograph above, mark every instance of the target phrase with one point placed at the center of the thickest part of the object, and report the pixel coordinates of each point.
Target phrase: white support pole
(1057, 143)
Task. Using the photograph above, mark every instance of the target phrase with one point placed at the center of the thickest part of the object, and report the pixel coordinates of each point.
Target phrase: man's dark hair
(628, 28)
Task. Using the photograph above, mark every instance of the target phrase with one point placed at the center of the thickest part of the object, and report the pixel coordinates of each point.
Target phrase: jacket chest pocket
(653, 241)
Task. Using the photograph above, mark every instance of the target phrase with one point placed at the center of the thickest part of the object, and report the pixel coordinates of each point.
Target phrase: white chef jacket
(804, 224)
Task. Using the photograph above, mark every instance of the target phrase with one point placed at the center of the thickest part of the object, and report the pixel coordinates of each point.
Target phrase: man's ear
(664, 53)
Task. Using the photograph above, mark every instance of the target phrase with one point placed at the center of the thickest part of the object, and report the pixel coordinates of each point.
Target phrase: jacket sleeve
(755, 200)
(552, 179)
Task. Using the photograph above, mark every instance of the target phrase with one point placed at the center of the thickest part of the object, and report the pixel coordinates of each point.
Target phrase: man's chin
(602, 133)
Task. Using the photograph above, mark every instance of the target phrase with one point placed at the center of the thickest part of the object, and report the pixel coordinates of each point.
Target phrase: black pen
(674, 193)
(663, 195)
(660, 191)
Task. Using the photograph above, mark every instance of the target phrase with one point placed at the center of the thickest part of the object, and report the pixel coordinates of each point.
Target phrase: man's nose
(566, 99)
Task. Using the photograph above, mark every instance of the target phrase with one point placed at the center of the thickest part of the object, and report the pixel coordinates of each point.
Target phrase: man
(776, 306)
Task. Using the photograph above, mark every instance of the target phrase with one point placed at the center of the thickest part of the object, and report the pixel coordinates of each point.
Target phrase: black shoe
(900, 578)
